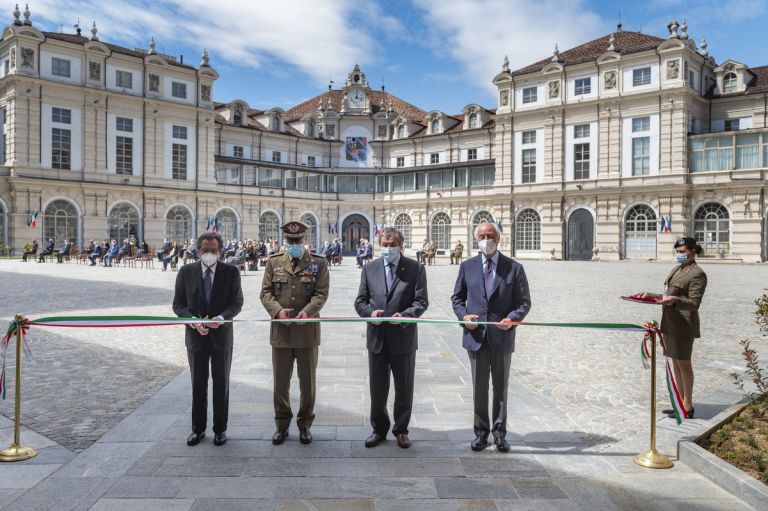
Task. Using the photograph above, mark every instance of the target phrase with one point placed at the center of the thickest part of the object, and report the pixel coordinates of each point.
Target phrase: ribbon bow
(652, 330)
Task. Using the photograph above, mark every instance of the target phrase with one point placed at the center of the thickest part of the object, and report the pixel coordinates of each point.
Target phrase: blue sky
(436, 54)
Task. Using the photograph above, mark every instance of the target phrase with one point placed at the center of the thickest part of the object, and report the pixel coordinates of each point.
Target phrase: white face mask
(487, 247)
(209, 259)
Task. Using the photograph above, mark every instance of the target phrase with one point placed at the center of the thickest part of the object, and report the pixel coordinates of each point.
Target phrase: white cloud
(321, 38)
(479, 33)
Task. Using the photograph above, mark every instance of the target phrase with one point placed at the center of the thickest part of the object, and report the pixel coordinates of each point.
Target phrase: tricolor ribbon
(10, 333)
(651, 331)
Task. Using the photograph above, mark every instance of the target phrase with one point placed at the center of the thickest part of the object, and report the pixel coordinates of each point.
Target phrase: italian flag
(33, 219)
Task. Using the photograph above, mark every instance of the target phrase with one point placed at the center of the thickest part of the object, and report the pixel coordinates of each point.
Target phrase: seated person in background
(251, 258)
(143, 249)
(457, 253)
(125, 250)
(64, 251)
(31, 252)
(113, 252)
(327, 252)
(360, 254)
(190, 253)
(95, 253)
(164, 249)
(238, 255)
(424, 249)
(172, 257)
(47, 252)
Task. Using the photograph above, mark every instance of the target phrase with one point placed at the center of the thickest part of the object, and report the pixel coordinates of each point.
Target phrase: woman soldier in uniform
(683, 291)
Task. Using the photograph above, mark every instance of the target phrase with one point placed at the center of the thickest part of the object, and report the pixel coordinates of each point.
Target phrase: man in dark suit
(490, 287)
(64, 251)
(31, 252)
(47, 252)
(391, 286)
(210, 289)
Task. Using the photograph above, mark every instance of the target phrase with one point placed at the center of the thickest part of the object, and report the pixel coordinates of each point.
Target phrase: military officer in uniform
(295, 285)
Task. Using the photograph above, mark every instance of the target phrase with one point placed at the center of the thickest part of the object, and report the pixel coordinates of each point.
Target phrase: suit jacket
(510, 298)
(408, 296)
(681, 320)
(302, 289)
(226, 301)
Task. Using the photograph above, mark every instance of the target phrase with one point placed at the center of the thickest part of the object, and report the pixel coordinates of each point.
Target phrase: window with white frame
(330, 130)
(473, 120)
(179, 161)
(238, 151)
(641, 156)
(179, 90)
(383, 131)
(528, 230)
(583, 86)
(581, 131)
(529, 137)
(61, 67)
(435, 126)
(530, 95)
(400, 161)
(61, 148)
(123, 79)
(311, 161)
(581, 155)
(731, 124)
(434, 158)
(124, 155)
(641, 76)
(640, 124)
(275, 123)
(730, 82)
(61, 115)
(529, 165)
(124, 124)
(472, 154)
(401, 131)
(277, 156)
(180, 132)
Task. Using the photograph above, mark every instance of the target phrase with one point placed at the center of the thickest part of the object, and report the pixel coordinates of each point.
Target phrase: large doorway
(581, 235)
(353, 229)
(640, 233)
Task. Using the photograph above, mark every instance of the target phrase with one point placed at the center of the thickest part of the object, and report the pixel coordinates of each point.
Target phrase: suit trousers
(282, 370)
(402, 368)
(220, 364)
(486, 364)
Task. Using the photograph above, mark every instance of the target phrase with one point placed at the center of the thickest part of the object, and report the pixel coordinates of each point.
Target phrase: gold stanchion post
(653, 458)
(18, 452)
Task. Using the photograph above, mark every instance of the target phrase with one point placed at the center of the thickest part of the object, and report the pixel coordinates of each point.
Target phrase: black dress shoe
(219, 439)
(279, 436)
(195, 438)
(502, 445)
(374, 440)
(305, 436)
(479, 443)
(671, 413)
(403, 441)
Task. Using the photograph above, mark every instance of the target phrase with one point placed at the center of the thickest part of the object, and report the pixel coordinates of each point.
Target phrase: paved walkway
(109, 439)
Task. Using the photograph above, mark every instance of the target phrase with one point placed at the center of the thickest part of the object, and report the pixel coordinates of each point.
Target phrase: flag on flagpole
(501, 227)
(668, 226)
(662, 224)
(215, 225)
(208, 225)
(33, 219)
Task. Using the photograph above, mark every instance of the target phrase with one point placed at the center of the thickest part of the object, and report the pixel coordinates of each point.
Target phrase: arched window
(228, 226)
(310, 129)
(178, 224)
(473, 120)
(435, 126)
(401, 131)
(729, 82)
(440, 231)
(641, 222)
(275, 123)
(312, 239)
(238, 116)
(269, 227)
(480, 217)
(60, 221)
(403, 224)
(711, 228)
(123, 220)
(528, 230)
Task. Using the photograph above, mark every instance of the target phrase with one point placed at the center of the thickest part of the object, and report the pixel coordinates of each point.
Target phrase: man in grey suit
(490, 287)
(391, 286)
(209, 289)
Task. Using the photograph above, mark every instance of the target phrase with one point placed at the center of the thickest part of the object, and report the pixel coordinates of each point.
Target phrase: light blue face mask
(295, 250)
(389, 253)
(681, 258)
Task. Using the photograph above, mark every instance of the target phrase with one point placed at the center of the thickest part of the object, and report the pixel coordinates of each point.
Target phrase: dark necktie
(294, 263)
(207, 285)
(388, 275)
(488, 278)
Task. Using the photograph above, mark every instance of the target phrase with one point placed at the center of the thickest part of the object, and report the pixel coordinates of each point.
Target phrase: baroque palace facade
(586, 154)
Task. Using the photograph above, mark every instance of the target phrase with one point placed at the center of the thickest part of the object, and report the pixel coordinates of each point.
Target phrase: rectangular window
(400, 161)
(581, 161)
(530, 95)
(434, 158)
(421, 181)
(529, 137)
(641, 156)
(765, 148)
(529, 166)
(382, 184)
(124, 124)
(471, 154)
(641, 124)
(290, 180)
(277, 156)
(330, 130)
(179, 90)
(383, 131)
(180, 132)
(641, 76)
(583, 86)
(712, 153)
(311, 161)
(365, 184)
(748, 151)
(179, 161)
(61, 148)
(581, 131)
(124, 155)
(402, 182)
(482, 176)
(61, 67)
(732, 125)
(61, 115)
(461, 178)
(123, 79)
(270, 178)
(442, 179)
(238, 151)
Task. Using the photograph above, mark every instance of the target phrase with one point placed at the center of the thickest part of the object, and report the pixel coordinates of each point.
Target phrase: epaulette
(276, 255)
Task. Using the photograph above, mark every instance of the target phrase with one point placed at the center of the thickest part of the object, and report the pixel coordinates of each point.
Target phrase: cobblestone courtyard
(109, 408)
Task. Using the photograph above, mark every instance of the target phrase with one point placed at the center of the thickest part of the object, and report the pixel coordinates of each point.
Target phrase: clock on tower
(356, 98)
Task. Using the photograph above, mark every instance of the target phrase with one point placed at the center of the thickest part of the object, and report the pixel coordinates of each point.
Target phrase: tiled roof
(624, 43)
(399, 106)
(759, 84)
(77, 39)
